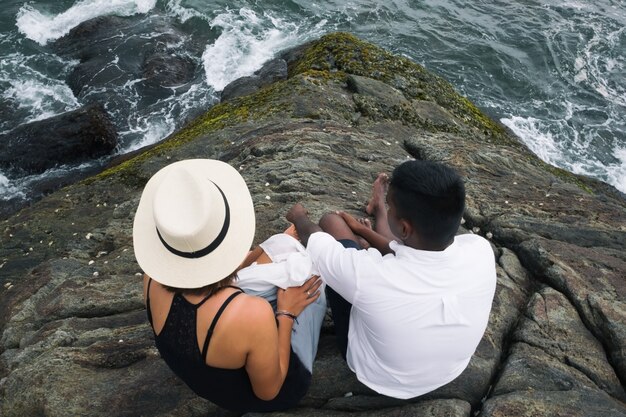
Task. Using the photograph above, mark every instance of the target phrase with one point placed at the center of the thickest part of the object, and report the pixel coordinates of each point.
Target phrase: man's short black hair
(431, 196)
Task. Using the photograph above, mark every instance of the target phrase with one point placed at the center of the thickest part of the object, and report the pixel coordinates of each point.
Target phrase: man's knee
(336, 226)
(331, 221)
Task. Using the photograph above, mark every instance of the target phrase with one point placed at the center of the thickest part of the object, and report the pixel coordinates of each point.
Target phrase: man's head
(429, 198)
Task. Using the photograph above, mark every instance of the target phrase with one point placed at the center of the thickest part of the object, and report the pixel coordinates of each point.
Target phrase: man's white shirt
(417, 316)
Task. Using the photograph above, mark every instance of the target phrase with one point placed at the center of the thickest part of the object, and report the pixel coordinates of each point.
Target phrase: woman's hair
(431, 196)
(207, 289)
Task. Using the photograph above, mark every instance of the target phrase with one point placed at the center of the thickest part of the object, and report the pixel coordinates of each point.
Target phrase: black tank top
(228, 388)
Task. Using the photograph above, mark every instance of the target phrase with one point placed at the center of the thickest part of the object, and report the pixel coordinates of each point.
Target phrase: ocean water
(554, 71)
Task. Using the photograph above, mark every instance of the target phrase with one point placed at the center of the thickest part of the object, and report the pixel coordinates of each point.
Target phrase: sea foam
(534, 133)
(43, 28)
(175, 8)
(246, 42)
(32, 93)
(40, 99)
(542, 143)
(617, 172)
(8, 190)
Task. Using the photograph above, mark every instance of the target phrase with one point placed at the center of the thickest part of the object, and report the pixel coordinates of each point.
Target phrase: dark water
(553, 71)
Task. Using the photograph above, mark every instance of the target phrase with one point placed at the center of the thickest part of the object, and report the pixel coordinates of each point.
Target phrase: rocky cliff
(75, 339)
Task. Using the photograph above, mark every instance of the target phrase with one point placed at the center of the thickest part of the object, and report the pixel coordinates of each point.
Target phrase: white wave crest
(41, 99)
(42, 28)
(151, 129)
(8, 190)
(542, 143)
(22, 187)
(183, 13)
(534, 133)
(617, 172)
(246, 42)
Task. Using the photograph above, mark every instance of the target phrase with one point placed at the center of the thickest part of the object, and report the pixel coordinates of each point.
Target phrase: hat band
(213, 245)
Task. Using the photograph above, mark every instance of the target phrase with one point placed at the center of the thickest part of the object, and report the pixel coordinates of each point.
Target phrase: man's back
(417, 316)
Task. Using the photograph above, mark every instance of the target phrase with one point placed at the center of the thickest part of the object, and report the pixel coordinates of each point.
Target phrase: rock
(240, 87)
(435, 408)
(559, 302)
(273, 71)
(377, 100)
(593, 281)
(8, 114)
(585, 403)
(378, 90)
(69, 138)
(554, 351)
(79, 42)
(163, 69)
(270, 72)
(160, 56)
(331, 376)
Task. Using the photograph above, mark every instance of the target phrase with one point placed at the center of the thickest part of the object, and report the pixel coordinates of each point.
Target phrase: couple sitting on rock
(410, 300)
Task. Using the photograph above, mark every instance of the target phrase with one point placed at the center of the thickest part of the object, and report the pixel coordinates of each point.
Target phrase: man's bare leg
(336, 226)
(376, 207)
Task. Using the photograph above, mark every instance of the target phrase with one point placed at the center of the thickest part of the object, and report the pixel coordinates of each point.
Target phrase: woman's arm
(270, 347)
(252, 256)
(268, 360)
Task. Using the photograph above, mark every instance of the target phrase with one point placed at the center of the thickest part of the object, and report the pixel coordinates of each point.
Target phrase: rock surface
(272, 71)
(75, 340)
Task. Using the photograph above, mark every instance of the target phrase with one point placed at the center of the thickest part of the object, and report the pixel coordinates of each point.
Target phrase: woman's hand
(295, 299)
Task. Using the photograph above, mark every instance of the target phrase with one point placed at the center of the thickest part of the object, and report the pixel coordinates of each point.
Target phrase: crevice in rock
(506, 351)
(413, 150)
(597, 334)
(600, 337)
(506, 348)
(507, 340)
(97, 314)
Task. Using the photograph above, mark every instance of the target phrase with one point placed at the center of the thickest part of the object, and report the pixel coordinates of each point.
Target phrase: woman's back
(227, 348)
(207, 340)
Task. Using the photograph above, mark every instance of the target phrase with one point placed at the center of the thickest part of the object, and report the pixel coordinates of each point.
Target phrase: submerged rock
(115, 51)
(74, 335)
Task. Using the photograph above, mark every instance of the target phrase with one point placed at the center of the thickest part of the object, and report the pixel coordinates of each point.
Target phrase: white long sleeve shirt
(417, 316)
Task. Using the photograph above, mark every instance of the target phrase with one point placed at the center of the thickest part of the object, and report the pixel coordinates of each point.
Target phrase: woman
(193, 229)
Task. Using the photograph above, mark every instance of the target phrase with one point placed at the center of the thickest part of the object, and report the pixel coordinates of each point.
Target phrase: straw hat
(194, 224)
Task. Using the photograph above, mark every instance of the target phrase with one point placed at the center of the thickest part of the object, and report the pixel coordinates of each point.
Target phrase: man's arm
(299, 216)
(375, 239)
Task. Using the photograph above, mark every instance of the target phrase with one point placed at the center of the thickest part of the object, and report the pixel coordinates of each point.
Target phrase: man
(410, 310)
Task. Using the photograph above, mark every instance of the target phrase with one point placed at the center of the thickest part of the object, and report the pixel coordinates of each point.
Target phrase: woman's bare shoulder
(255, 307)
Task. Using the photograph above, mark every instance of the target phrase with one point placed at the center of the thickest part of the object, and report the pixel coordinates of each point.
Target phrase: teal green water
(553, 71)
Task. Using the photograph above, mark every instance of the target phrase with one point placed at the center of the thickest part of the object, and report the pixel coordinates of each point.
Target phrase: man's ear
(406, 229)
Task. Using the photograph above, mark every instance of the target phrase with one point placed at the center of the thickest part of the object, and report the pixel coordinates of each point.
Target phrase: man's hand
(299, 216)
(297, 212)
(356, 226)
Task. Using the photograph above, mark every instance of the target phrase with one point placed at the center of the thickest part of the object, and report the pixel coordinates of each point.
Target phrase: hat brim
(175, 271)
